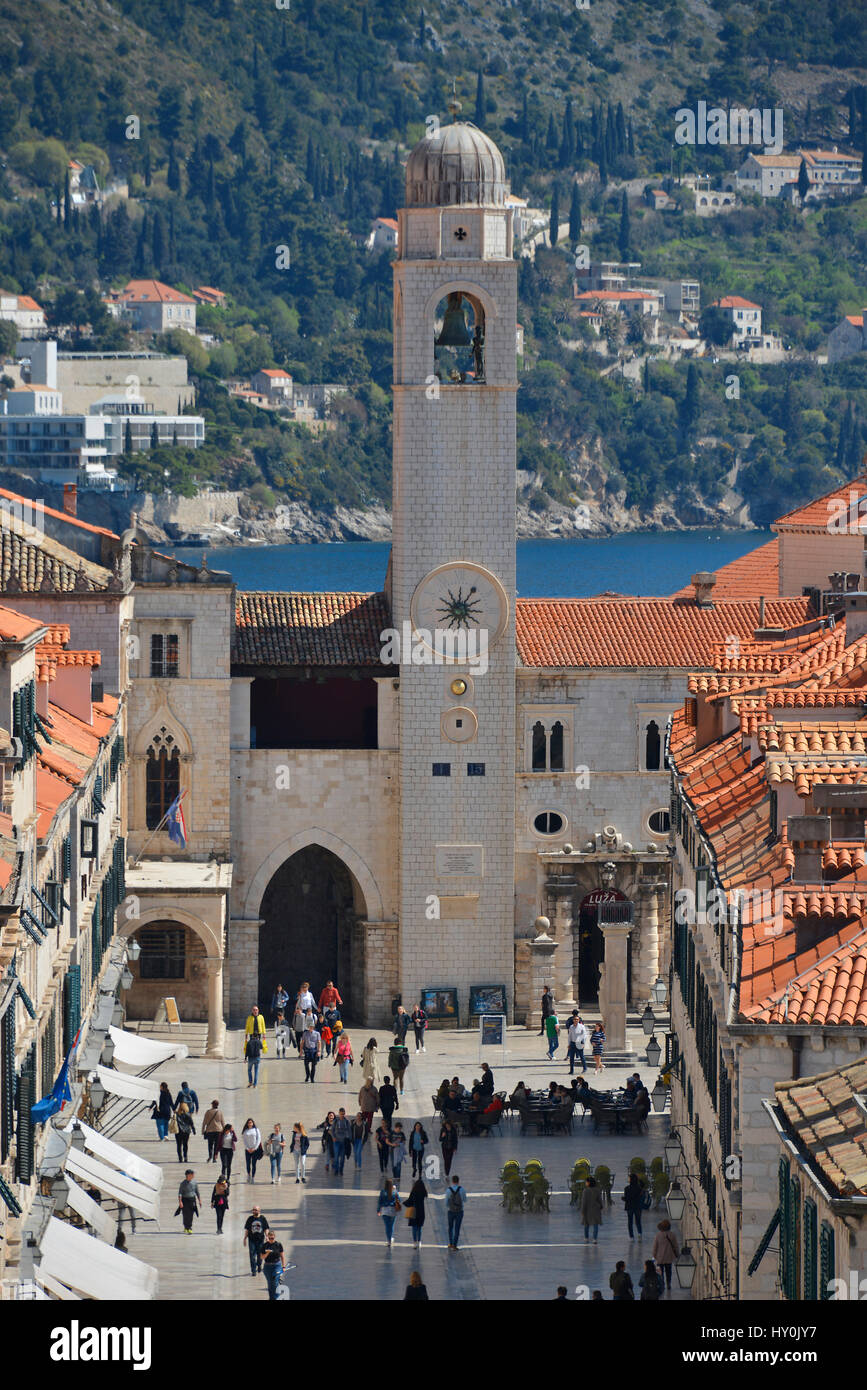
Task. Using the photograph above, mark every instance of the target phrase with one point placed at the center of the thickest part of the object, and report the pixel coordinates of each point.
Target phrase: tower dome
(457, 166)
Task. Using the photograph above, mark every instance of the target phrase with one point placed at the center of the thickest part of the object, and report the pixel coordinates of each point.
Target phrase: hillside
(257, 127)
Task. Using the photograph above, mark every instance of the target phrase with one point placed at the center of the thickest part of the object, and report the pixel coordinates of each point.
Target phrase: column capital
(214, 964)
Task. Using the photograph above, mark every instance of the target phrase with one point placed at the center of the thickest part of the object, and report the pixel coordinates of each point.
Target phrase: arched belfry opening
(459, 339)
(308, 912)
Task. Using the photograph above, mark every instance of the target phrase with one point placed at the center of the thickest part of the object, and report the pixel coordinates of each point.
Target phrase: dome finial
(453, 105)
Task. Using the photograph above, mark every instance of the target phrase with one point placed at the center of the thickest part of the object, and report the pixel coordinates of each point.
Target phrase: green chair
(513, 1196)
(537, 1194)
(657, 1165)
(576, 1187)
(511, 1169)
(533, 1165)
(660, 1185)
(604, 1178)
(637, 1165)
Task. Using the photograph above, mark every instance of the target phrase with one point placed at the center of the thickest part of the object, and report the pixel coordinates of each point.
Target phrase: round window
(548, 823)
(659, 823)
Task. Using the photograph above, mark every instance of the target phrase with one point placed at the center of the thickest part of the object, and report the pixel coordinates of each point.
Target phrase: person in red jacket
(330, 996)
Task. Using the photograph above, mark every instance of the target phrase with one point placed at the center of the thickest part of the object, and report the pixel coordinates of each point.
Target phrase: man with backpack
(398, 1061)
(388, 1101)
(282, 1033)
(311, 1051)
(253, 1048)
(455, 1201)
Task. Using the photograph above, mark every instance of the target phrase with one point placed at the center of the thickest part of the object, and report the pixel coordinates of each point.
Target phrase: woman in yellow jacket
(254, 1044)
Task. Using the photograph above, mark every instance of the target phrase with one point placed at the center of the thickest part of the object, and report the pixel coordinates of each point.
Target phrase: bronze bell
(455, 333)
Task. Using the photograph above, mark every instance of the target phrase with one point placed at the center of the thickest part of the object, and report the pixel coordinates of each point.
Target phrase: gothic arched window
(557, 747)
(539, 749)
(163, 777)
(652, 747)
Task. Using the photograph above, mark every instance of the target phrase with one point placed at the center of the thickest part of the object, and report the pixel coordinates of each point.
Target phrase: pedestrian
(305, 1001)
(342, 1132)
(275, 1145)
(486, 1081)
(368, 1102)
(456, 1199)
(254, 1238)
(189, 1202)
(597, 1045)
(327, 1037)
(185, 1127)
(650, 1283)
(189, 1097)
(547, 1007)
(665, 1250)
(369, 1061)
(552, 1029)
(255, 1023)
(383, 1145)
(328, 1139)
(448, 1144)
(329, 996)
(398, 1061)
(414, 1210)
(561, 1295)
(220, 1202)
(311, 1051)
(398, 1150)
(418, 1142)
(418, 1018)
(577, 1035)
(212, 1128)
(299, 1146)
(360, 1135)
(298, 1024)
(633, 1197)
(273, 1264)
(388, 1208)
(591, 1207)
(162, 1110)
(620, 1282)
(416, 1291)
(388, 1101)
(227, 1144)
(282, 1034)
(251, 1138)
(401, 1023)
(343, 1055)
(254, 1044)
(279, 1000)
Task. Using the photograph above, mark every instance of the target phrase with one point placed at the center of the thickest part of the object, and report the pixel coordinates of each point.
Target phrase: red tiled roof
(626, 632)
(50, 511)
(25, 302)
(152, 292)
(815, 515)
(308, 629)
(14, 627)
(857, 320)
(734, 301)
(616, 294)
(754, 575)
(823, 1115)
(271, 371)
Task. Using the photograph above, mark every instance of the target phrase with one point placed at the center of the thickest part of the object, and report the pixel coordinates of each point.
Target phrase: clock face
(461, 599)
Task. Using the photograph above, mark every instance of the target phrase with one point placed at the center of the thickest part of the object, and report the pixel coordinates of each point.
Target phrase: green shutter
(7, 1079)
(827, 1260)
(810, 1288)
(792, 1257)
(24, 1155)
(71, 1006)
(785, 1223)
(66, 858)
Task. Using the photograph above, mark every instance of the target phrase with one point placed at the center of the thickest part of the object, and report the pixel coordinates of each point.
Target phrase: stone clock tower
(453, 565)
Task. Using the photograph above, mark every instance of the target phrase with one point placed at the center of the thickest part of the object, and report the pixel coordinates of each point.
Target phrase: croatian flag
(175, 823)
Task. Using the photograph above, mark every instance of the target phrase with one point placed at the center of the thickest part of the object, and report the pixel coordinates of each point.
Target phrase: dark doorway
(590, 953)
(308, 913)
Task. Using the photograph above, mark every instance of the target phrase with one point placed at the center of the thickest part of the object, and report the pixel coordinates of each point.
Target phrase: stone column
(612, 990)
(216, 1026)
(542, 958)
(561, 931)
(648, 968)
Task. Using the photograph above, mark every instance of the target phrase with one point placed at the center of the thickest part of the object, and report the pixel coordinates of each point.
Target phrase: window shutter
(66, 858)
(784, 1193)
(810, 1290)
(17, 724)
(24, 1125)
(71, 1006)
(827, 1260)
(7, 1080)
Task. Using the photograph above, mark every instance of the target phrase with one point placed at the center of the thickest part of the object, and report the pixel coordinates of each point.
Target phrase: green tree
(170, 112)
(8, 337)
(127, 438)
(624, 236)
(691, 407)
(715, 326)
(803, 181)
(554, 225)
(479, 117)
(575, 214)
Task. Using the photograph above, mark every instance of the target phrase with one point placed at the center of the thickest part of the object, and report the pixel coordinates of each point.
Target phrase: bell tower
(453, 565)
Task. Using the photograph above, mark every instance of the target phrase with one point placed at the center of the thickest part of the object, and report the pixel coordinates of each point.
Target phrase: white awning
(54, 1286)
(149, 1174)
(133, 1194)
(94, 1269)
(142, 1088)
(90, 1211)
(137, 1051)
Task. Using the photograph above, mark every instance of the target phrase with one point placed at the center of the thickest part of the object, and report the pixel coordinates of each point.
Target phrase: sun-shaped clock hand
(459, 609)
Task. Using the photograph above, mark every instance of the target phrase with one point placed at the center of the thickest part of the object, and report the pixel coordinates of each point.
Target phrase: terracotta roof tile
(823, 1115)
(309, 629)
(754, 575)
(815, 515)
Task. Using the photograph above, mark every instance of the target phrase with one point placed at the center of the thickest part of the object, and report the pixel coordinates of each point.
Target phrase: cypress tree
(158, 242)
(803, 181)
(575, 214)
(554, 226)
(311, 160)
(147, 166)
(155, 436)
(551, 140)
(67, 202)
(567, 138)
(479, 117)
(421, 30)
(173, 174)
(620, 129)
(692, 400)
(625, 230)
(647, 383)
(173, 247)
(525, 121)
(630, 139)
(603, 167)
(365, 27)
(127, 438)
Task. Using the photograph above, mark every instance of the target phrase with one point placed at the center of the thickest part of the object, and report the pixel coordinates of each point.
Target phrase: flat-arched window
(652, 747)
(163, 777)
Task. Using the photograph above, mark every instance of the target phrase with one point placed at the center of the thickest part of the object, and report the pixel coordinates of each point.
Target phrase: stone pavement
(329, 1228)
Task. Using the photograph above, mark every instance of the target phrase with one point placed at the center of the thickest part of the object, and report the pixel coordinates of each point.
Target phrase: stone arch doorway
(308, 912)
(591, 945)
